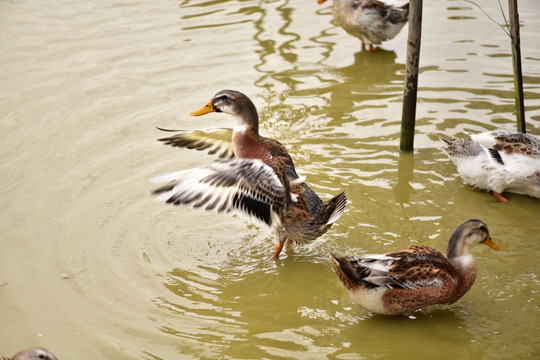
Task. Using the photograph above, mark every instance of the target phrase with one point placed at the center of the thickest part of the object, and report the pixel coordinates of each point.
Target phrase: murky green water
(92, 268)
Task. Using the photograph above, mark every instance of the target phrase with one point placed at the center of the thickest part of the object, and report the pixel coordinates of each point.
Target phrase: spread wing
(244, 186)
(213, 140)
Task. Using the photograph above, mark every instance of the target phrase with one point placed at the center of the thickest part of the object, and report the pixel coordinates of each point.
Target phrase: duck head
(233, 103)
(468, 233)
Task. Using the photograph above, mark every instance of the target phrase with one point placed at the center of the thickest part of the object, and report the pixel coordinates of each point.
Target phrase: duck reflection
(370, 77)
(302, 57)
(374, 68)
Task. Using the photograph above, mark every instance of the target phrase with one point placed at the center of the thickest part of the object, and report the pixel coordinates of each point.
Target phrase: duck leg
(499, 196)
(279, 246)
(368, 47)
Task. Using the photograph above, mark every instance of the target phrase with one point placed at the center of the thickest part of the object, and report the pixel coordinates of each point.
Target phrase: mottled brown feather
(518, 143)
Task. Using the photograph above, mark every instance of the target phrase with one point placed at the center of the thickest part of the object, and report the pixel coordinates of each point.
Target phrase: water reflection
(407, 338)
(339, 121)
(403, 188)
(82, 95)
(367, 73)
(230, 304)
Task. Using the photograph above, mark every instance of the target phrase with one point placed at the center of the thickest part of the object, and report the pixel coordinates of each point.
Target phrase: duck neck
(466, 272)
(458, 254)
(247, 119)
(245, 138)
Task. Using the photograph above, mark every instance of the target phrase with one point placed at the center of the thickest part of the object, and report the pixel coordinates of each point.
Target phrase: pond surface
(92, 267)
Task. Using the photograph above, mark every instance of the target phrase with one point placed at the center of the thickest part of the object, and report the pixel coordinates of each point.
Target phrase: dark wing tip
(496, 156)
(447, 141)
(167, 130)
(253, 207)
(164, 188)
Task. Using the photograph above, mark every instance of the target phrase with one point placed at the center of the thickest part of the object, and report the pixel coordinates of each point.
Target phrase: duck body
(498, 161)
(403, 281)
(472, 163)
(270, 190)
(371, 21)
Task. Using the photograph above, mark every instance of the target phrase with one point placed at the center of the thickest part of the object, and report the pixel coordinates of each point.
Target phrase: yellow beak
(208, 108)
(491, 243)
(321, 1)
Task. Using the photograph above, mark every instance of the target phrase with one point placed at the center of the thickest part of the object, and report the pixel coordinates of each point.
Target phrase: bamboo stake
(408, 116)
(516, 61)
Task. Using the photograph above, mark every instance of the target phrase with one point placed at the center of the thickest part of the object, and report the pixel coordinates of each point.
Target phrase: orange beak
(491, 243)
(320, 1)
(208, 108)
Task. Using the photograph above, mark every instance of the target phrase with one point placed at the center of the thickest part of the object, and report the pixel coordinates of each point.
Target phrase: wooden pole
(408, 116)
(516, 61)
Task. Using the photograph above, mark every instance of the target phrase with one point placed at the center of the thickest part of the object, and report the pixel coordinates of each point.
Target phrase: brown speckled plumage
(406, 280)
(517, 143)
(300, 216)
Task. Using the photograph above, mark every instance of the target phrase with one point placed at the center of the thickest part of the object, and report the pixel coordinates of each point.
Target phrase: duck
(400, 282)
(371, 21)
(254, 176)
(32, 354)
(498, 161)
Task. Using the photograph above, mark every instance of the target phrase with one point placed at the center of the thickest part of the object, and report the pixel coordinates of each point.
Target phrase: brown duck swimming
(371, 21)
(400, 282)
(260, 181)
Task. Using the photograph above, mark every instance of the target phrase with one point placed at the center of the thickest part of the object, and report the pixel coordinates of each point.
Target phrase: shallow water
(91, 267)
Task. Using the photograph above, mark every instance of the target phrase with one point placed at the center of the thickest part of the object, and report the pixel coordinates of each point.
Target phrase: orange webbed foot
(499, 197)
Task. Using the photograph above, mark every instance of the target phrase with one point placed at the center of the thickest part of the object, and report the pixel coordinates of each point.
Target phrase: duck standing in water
(371, 21)
(498, 161)
(260, 181)
(32, 354)
(400, 282)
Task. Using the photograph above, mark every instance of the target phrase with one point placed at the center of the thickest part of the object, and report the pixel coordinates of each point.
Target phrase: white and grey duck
(498, 161)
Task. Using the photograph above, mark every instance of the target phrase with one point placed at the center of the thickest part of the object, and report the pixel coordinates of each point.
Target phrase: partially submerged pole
(408, 116)
(516, 61)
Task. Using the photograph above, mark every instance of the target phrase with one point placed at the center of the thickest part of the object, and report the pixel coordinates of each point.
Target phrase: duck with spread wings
(255, 176)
